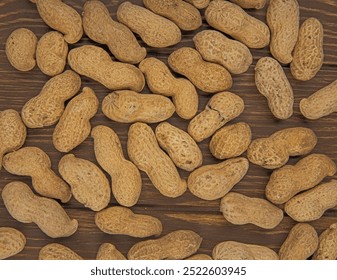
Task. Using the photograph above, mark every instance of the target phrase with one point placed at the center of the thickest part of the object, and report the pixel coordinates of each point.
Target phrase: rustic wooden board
(187, 211)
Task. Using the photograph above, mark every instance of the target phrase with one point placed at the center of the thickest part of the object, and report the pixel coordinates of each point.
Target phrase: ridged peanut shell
(108, 251)
(55, 251)
(327, 247)
(200, 4)
(12, 242)
(250, 4)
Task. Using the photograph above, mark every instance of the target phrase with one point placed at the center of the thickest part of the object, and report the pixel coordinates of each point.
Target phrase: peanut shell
(250, 4)
(55, 251)
(12, 242)
(108, 251)
(200, 4)
(327, 247)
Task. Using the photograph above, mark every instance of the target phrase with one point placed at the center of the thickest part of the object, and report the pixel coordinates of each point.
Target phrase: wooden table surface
(187, 211)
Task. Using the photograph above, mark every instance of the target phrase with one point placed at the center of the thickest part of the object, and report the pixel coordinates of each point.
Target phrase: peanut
(121, 220)
(145, 153)
(200, 4)
(26, 207)
(176, 245)
(239, 209)
(289, 180)
(127, 106)
(250, 4)
(180, 146)
(101, 28)
(214, 181)
(156, 31)
(55, 251)
(220, 109)
(12, 242)
(46, 108)
(74, 125)
(206, 76)
(203, 257)
(108, 251)
(272, 82)
(327, 247)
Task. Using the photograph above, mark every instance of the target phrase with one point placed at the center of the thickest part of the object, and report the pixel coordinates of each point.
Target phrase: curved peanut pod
(200, 257)
(156, 31)
(176, 245)
(145, 153)
(101, 28)
(234, 21)
(95, 63)
(239, 209)
(26, 207)
(220, 109)
(121, 220)
(125, 177)
(200, 4)
(288, 181)
(33, 162)
(55, 251)
(61, 17)
(327, 247)
(108, 251)
(206, 76)
(74, 125)
(46, 108)
(272, 82)
(12, 242)
(250, 4)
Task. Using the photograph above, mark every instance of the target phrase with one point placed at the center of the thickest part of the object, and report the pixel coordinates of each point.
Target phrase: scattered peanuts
(108, 251)
(55, 251)
(327, 247)
(12, 242)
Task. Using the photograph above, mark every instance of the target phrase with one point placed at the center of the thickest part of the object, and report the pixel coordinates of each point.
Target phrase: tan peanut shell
(74, 125)
(176, 245)
(46, 108)
(284, 33)
(220, 109)
(321, 103)
(121, 220)
(95, 63)
(203, 257)
(214, 181)
(300, 244)
(234, 21)
(308, 53)
(26, 207)
(311, 205)
(62, 18)
(145, 153)
(156, 31)
(20, 49)
(200, 4)
(289, 180)
(274, 151)
(180, 146)
(327, 247)
(125, 177)
(34, 162)
(161, 81)
(232, 250)
(216, 47)
(101, 28)
(55, 251)
(88, 183)
(231, 141)
(272, 82)
(239, 209)
(108, 251)
(206, 76)
(126, 106)
(250, 4)
(12, 242)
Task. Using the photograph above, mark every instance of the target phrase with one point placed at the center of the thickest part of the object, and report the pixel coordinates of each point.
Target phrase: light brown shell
(55, 251)
(108, 251)
(327, 247)
(12, 242)
(202, 257)
(250, 4)
(200, 4)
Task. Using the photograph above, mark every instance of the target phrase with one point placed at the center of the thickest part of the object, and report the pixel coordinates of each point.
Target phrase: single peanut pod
(214, 181)
(55, 251)
(250, 4)
(220, 109)
(12, 242)
(206, 76)
(300, 244)
(176, 245)
(20, 49)
(286, 182)
(321, 103)
(200, 4)
(156, 31)
(311, 205)
(197, 257)
(101, 28)
(234, 21)
(180, 146)
(126, 106)
(121, 220)
(95, 63)
(74, 125)
(108, 251)
(327, 247)
(34, 162)
(26, 207)
(231, 141)
(61, 17)
(239, 209)
(308, 53)
(126, 182)
(46, 108)
(145, 153)
(161, 81)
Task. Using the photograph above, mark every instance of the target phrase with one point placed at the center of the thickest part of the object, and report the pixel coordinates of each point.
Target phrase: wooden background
(187, 211)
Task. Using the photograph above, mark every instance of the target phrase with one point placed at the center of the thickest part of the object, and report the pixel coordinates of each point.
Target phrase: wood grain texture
(187, 211)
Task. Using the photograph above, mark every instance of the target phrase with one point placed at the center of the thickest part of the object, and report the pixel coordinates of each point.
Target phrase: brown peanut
(55, 251)
(203, 257)
(200, 4)
(12, 242)
(250, 4)
(108, 251)
(327, 247)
